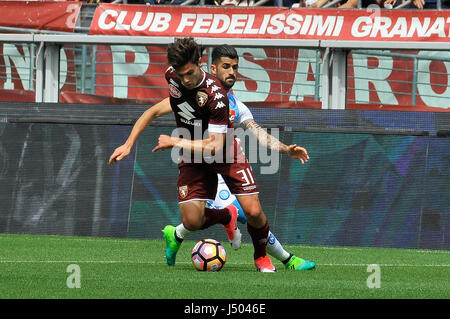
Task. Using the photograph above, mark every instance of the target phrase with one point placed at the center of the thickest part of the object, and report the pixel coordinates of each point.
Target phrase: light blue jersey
(239, 113)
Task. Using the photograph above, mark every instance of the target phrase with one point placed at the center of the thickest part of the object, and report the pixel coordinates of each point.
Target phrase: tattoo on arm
(262, 136)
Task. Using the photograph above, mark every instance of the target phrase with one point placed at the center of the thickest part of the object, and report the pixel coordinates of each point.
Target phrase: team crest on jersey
(174, 92)
(183, 191)
(201, 98)
(232, 115)
(224, 194)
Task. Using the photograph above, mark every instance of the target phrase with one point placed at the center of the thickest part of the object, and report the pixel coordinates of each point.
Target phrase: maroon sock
(259, 239)
(216, 216)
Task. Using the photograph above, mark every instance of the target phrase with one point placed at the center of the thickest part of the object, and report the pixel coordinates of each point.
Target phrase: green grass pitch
(36, 266)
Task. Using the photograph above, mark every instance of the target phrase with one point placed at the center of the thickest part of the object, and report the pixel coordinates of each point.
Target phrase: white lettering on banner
(293, 21)
(277, 25)
(21, 62)
(247, 24)
(219, 24)
(361, 27)
(237, 24)
(63, 66)
(400, 28)
(381, 24)
(122, 69)
(161, 22)
(319, 27)
(202, 23)
(424, 87)
(385, 27)
(437, 28)
(305, 26)
(264, 24)
(418, 28)
(249, 27)
(187, 20)
(301, 86)
(377, 76)
(137, 18)
(255, 72)
(102, 19)
(338, 27)
(120, 25)
(377, 26)
(154, 22)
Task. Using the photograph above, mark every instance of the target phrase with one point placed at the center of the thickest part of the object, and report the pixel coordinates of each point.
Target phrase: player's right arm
(157, 110)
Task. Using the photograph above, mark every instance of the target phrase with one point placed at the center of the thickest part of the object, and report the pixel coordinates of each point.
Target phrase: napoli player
(225, 67)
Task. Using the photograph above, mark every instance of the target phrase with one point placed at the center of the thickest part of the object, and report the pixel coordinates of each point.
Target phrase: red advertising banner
(288, 77)
(272, 77)
(272, 23)
(18, 73)
(39, 15)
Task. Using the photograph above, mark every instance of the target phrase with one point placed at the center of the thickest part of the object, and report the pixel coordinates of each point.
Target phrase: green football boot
(172, 245)
(296, 263)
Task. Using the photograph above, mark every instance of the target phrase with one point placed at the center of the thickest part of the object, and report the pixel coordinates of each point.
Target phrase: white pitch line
(139, 241)
(161, 263)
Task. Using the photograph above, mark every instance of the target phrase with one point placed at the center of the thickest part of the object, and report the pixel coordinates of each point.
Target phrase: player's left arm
(272, 143)
(211, 145)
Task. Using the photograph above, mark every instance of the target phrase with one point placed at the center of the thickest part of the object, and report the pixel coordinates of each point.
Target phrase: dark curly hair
(182, 51)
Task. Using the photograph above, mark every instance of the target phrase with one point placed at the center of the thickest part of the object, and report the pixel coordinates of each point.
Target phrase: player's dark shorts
(199, 181)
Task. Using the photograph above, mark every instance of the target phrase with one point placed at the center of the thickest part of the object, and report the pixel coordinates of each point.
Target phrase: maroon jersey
(204, 108)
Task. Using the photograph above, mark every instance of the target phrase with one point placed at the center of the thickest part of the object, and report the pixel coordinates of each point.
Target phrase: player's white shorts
(224, 197)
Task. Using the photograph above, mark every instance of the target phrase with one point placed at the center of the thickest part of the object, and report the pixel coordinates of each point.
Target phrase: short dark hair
(223, 50)
(182, 51)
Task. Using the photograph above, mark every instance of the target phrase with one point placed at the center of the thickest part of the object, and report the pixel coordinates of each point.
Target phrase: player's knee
(191, 223)
(253, 211)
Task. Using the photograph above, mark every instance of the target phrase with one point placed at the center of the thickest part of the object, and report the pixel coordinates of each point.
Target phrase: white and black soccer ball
(208, 255)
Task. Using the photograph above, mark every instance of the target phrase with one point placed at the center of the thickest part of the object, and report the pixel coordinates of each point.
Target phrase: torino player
(225, 67)
(198, 100)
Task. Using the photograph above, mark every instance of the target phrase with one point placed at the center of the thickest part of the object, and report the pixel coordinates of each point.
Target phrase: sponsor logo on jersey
(214, 88)
(209, 82)
(218, 96)
(220, 105)
(174, 83)
(201, 98)
(186, 111)
(174, 92)
(224, 194)
(183, 191)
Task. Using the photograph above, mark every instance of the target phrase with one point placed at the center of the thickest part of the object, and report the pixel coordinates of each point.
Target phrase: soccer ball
(208, 255)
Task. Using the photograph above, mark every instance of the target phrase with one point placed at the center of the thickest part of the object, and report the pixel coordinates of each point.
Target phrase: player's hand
(164, 141)
(393, 2)
(119, 153)
(298, 152)
(419, 3)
